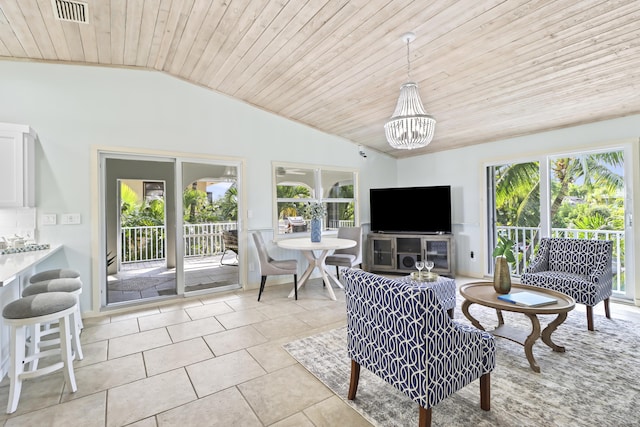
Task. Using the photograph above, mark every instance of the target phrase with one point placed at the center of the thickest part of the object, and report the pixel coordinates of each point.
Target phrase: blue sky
(218, 189)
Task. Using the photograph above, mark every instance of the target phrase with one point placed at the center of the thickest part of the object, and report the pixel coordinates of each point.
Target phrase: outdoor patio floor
(149, 279)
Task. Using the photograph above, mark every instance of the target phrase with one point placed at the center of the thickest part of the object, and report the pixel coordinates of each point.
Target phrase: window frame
(318, 194)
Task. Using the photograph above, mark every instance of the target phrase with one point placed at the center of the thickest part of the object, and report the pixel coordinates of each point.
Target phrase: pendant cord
(408, 61)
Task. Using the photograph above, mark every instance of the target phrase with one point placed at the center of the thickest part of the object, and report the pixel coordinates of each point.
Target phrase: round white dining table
(316, 253)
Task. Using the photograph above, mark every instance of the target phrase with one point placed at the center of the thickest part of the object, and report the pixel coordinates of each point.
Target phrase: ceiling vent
(72, 11)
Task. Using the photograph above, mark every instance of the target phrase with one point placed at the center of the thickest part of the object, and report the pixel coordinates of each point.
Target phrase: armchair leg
(424, 419)
(606, 309)
(355, 377)
(485, 391)
(262, 282)
(590, 318)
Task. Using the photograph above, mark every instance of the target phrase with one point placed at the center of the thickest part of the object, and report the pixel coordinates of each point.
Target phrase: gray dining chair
(349, 257)
(273, 267)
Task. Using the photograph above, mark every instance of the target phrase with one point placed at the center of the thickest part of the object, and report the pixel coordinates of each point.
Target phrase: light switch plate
(70, 219)
(49, 219)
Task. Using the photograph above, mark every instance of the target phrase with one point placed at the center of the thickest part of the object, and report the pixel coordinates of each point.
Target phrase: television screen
(411, 209)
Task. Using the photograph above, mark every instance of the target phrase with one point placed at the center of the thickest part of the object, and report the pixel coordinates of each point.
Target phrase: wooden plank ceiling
(487, 69)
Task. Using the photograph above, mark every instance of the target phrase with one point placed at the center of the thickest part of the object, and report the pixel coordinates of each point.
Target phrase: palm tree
(229, 204)
(594, 169)
(291, 192)
(518, 185)
(517, 194)
(194, 202)
(517, 190)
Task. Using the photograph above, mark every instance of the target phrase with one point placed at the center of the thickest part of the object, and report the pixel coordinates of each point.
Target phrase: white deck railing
(148, 243)
(337, 223)
(527, 238)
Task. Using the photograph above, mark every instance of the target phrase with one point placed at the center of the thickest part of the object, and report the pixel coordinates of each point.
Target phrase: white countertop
(13, 264)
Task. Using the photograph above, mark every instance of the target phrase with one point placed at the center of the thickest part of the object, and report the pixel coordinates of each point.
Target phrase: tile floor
(207, 361)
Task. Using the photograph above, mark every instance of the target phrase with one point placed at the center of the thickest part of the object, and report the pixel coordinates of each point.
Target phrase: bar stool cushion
(39, 305)
(53, 285)
(58, 273)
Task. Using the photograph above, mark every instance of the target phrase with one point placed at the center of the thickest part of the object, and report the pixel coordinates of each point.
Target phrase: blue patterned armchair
(579, 268)
(401, 333)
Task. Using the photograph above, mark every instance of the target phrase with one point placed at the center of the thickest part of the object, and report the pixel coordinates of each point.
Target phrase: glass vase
(316, 230)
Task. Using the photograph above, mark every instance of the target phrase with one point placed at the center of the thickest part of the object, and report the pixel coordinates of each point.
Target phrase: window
(571, 195)
(153, 190)
(297, 185)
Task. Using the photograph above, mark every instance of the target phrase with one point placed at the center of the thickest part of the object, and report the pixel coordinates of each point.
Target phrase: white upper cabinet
(17, 166)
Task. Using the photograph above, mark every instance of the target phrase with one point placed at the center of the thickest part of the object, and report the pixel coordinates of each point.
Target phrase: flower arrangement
(316, 210)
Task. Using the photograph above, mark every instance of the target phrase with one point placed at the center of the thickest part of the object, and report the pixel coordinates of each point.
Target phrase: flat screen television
(411, 209)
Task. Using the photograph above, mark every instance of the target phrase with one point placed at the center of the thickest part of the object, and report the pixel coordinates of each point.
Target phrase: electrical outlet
(49, 219)
(70, 219)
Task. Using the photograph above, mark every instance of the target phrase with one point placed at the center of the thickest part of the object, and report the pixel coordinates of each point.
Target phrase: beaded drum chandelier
(410, 126)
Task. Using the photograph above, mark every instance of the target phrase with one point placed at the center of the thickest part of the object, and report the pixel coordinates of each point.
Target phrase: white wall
(463, 169)
(76, 108)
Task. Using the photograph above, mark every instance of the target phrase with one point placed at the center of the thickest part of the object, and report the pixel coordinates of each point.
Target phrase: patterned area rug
(594, 383)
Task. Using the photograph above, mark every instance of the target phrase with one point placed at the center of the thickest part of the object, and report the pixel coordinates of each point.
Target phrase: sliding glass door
(139, 202)
(514, 209)
(578, 195)
(210, 227)
(164, 226)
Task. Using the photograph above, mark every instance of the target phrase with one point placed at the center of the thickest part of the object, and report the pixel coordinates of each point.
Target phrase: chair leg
(355, 377)
(232, 264)
(338, 272)
(485, 391)
(17, 367)
(66, 352)
(34, 344)
(424, 418)
(79, 318)
(295, 285)
(74, 327)
(590, 318)
(606, 309)
(262, 282)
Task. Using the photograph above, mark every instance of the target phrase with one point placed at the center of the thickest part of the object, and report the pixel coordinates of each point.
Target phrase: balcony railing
(337, 223)
(527, 239)
(148, 243)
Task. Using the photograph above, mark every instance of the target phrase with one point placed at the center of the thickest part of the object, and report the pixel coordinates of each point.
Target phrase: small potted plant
(316, 212)
(504, 256)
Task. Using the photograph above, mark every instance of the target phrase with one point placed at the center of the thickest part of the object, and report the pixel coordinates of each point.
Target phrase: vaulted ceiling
(487, 69)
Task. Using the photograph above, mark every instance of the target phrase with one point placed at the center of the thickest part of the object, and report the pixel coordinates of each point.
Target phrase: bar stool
(36, 310)
(57, 273)
(70, 286)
